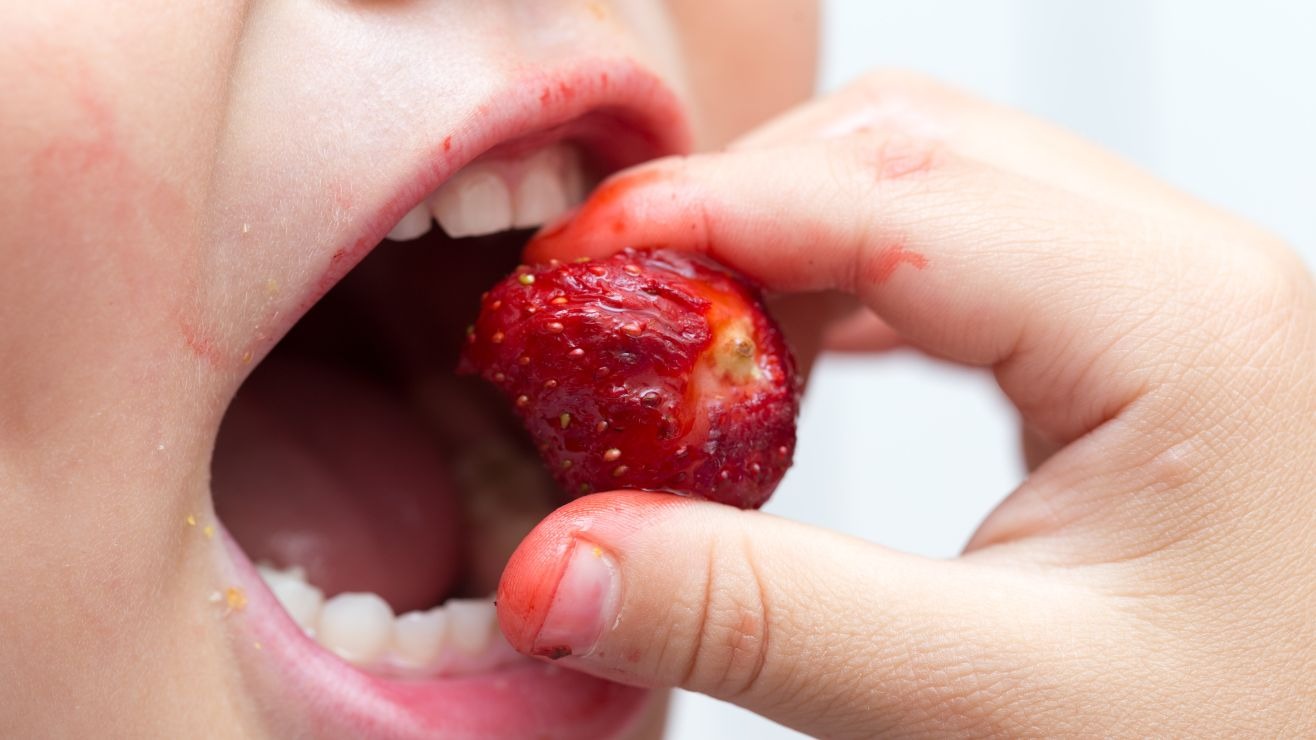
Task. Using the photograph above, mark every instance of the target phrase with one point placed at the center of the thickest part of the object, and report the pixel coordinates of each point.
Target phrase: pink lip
(528, 699)
(622, 114)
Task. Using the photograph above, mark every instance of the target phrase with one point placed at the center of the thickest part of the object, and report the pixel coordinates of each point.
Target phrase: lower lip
(309, 691)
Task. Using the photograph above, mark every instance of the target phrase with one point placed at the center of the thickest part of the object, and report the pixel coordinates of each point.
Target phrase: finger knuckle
(886, 81)
(731, 649)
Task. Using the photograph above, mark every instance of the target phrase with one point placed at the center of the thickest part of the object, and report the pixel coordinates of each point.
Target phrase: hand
(1156, 572)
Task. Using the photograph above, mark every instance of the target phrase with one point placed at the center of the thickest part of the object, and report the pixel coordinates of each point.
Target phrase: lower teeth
(460, 637)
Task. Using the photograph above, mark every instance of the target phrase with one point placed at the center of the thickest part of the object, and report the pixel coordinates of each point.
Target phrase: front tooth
(473, 203)
(470, 624)
(415, 224)
(542, 194)
(300, 599)
(418, 637)
(573, 177)
(356, 626)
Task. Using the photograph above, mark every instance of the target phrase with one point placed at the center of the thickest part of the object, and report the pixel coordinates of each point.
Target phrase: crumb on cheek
(235, 599)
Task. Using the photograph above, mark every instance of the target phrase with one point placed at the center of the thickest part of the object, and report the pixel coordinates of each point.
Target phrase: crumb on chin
(235, 599)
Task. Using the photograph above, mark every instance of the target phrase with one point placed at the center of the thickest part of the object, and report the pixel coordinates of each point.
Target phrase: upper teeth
(497, 194)
(460, 637)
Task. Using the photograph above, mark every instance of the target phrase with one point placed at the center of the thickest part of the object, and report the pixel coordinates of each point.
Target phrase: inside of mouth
(380, 493)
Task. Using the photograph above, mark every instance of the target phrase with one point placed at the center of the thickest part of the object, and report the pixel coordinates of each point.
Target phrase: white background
(1216, 96)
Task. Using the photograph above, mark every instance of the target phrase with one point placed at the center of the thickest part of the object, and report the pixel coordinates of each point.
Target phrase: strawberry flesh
(653, 370)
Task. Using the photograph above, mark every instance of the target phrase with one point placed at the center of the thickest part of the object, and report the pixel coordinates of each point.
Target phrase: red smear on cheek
(884, 265)
(79, 155)
(200, 344)
(527, 588)
(96, 193)
(92, 156)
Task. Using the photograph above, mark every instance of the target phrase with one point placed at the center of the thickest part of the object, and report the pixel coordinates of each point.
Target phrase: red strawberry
(655, 370)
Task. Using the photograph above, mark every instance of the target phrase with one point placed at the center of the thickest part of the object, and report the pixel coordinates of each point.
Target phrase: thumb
(818, 631)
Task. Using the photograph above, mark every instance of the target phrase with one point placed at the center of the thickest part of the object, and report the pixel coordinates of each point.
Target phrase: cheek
(778, 41)
(103, 228)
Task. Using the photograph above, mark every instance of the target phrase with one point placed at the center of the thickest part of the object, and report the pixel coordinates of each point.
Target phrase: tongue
(318, 468)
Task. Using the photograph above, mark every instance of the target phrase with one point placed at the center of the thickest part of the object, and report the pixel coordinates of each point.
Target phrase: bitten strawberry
(654, 370)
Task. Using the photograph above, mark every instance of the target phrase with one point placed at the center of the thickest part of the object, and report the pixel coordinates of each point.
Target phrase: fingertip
(528, 585)
(532, 576)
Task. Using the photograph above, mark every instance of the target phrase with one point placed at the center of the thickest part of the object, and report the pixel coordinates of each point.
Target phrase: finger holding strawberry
(1157, 351)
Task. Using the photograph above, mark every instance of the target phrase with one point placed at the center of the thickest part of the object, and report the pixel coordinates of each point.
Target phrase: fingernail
(585, 601)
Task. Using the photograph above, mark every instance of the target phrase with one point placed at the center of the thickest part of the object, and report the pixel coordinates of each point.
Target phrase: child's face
(179, 183)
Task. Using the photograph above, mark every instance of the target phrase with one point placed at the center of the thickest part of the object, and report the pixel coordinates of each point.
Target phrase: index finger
(967, 261)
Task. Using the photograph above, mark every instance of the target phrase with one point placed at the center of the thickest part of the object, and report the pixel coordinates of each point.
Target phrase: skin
(1153, 575)
(136, 148)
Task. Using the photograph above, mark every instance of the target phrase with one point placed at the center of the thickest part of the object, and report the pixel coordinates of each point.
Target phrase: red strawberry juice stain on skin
(886, 262)
(142, 255)
(562, 92)
(201, 345)
(95, 157)
(79, 155)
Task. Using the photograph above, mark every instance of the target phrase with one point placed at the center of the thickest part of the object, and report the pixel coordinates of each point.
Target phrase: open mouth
(370, 497)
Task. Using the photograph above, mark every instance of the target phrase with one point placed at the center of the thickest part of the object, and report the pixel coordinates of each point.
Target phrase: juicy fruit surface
(653, 370)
